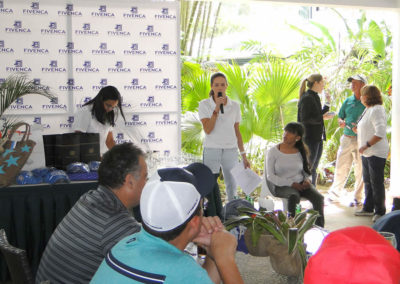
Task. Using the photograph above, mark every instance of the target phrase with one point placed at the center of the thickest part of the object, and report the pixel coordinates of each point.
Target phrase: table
(29, 214)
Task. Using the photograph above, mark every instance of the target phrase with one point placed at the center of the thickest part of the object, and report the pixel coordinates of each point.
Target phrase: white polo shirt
(223, 135)
(85, 122)
(373, 123)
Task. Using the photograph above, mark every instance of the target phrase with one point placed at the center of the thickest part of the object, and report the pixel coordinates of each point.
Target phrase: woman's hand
(362, 149)
(297, 186)
(354, 127)
(246, 163)
(328, 115)
(342, 123)
(219, 101)
(306, 183)
(327, 96)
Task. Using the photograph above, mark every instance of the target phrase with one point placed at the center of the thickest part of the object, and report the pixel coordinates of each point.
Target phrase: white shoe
(333, 197)
(376, 217)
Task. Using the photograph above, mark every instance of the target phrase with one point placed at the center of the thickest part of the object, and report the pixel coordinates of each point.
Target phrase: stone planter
(282, 262)
(261, 249)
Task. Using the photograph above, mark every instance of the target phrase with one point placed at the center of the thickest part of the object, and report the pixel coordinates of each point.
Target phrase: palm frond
(192, 133)
(18, 85)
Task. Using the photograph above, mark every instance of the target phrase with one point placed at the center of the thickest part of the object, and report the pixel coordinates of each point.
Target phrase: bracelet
(243, 152)
(215, 113)
(368, 145)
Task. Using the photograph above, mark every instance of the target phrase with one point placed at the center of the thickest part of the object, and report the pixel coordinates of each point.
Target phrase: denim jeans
(373, 175)
(215, 158)
(315, 148)
(293, 197)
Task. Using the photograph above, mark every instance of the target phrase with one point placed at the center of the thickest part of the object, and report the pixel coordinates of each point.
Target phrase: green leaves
(327, 35)
(377, 38)
(288, 231)
(238, 85)
(192, 133)
(14, 87)
(275, 88)
(18, 85)
(195, 86)
(292, 237)
(267, 94)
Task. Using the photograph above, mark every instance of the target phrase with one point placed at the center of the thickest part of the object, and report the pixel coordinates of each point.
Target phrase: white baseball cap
(172, 195)
(358, 77)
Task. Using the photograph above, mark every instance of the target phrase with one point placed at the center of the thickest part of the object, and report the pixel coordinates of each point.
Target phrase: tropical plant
(267, 87)
(267, 93)
(14, 87)
(364, 49)
(289, 231)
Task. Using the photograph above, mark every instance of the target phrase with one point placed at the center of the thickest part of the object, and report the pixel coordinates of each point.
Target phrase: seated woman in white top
(99, 116)
(288, 171)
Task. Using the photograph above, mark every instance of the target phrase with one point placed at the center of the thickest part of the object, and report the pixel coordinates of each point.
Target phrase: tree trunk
(206, 30)
(185, 7)
(214, 28)
(201, 39)
(189, 29)
(196, 24)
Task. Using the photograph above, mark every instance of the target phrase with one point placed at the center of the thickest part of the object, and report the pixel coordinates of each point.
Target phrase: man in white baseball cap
(348, 154)
(171, 206)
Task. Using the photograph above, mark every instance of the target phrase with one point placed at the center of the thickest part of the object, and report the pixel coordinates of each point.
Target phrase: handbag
(15, 155)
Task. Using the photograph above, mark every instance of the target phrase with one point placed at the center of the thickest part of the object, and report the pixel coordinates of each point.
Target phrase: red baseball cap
(354, 255)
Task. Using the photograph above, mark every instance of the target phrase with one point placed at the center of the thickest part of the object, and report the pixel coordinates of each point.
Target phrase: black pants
(396, 204)
(214, 205)
(315, 148)
(373, 176)
(293, 196)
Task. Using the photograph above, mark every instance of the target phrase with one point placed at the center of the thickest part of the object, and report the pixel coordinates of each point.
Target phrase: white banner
(76, 48)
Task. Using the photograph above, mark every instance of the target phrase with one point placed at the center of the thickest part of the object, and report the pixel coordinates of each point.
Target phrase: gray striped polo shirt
(80, 242)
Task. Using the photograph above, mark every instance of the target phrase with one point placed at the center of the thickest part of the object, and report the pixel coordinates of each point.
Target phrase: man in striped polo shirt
(98, 220)
(171, 206)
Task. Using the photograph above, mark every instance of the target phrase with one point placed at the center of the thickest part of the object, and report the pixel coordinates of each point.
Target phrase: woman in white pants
(223, 136)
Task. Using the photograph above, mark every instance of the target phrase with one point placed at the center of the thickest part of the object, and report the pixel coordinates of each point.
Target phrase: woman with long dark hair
(223, 137)
(311, 114)
(288, 171)
(99, 116)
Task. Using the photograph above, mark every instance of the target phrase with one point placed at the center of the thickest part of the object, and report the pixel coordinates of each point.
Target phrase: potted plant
(285, 241)
(12, 88)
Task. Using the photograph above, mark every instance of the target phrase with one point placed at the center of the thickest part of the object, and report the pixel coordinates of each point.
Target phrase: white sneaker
(333, 197)
(376, 217)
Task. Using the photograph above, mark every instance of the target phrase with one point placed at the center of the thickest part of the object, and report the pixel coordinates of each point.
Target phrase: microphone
(221, 106)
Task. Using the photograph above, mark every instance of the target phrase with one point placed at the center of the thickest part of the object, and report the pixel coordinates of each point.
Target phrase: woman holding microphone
(220, 117)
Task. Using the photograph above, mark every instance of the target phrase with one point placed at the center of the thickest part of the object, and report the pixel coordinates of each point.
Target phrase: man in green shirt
(348, 116)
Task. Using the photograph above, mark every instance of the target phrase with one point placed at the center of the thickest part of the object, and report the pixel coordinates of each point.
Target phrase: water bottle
(249, 199)
(298, 208)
